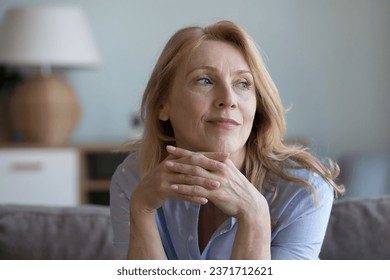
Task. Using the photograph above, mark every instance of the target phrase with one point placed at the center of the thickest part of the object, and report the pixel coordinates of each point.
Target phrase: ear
(163, 114)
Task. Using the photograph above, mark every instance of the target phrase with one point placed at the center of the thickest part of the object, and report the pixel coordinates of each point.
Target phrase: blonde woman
(211, 177)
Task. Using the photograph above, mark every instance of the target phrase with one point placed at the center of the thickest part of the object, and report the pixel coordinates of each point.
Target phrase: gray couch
(358, 229)
(35, 232)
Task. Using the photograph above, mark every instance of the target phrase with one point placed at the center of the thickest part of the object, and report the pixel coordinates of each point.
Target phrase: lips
(223, 121)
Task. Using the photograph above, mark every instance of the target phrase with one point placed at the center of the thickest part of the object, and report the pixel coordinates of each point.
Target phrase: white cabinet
(40, 176)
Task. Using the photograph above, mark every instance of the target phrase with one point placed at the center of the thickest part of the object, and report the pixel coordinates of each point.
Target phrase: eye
(244, 85)
(204, 81)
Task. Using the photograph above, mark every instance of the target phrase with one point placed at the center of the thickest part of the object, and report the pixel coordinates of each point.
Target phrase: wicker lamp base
(45, 110)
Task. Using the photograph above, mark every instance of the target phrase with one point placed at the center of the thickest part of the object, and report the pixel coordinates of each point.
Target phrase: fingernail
(203, 200)
(174, 187)
(171, 148)
(220, 164)
(215, 184)
(169, 163)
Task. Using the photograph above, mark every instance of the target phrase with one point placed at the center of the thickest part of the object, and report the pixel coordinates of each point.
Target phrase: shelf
(94, 163)
(39, 176)
(99, 163)
(97, 185)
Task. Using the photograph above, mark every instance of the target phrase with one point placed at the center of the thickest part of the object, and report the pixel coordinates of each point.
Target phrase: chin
(211, 144)
(220, 147)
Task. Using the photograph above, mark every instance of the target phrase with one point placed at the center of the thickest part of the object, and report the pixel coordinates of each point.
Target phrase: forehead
(217, 54)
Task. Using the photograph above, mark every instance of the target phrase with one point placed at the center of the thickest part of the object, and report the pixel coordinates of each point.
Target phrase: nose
(225, 97)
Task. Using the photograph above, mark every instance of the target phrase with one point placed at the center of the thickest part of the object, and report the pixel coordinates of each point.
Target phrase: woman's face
(212, 103)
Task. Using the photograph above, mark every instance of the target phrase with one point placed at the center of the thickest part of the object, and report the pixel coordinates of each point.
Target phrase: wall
(329, 59)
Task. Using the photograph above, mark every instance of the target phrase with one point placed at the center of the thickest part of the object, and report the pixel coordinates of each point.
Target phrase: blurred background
(329, 59)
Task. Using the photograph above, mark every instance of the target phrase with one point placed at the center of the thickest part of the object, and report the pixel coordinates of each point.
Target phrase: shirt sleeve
(124, 180)
(301, 226)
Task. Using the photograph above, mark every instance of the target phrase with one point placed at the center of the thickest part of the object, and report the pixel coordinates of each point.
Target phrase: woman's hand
(232, 193)
(159, 185)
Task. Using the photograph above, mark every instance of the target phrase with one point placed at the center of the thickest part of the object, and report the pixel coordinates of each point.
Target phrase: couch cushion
(42, 232)
(358, 229)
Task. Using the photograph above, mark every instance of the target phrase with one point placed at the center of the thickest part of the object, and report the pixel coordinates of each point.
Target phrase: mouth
(223, 122)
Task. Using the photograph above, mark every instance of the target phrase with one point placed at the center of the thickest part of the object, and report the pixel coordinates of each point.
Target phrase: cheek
(250, 111)
(249, 118)
(187, 113)
(191, 104)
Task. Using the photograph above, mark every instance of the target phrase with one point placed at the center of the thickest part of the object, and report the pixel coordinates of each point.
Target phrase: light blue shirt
(299, 230)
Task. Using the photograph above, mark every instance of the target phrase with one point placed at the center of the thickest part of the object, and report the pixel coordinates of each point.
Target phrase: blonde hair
(266, 153)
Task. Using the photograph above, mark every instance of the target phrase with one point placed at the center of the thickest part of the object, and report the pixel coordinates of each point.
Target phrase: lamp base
(45, 110)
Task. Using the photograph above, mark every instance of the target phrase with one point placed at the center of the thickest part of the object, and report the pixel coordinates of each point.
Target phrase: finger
(180, 152)
(191, 175)
(210, 184)
(190, 190)
(208, 161)
(219, 156)
(193, 199)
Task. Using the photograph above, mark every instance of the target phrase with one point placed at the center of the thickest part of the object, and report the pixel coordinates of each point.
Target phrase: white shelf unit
(40, 176)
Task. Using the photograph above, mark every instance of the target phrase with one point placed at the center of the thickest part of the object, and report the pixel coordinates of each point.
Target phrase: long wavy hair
(266, 153)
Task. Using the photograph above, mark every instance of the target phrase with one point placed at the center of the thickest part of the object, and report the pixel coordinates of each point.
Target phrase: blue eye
(204, 81)
(244, 85)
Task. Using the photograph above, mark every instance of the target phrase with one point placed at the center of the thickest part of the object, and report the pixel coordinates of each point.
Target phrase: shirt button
(123, 170)
(122, 195)
(190, 238)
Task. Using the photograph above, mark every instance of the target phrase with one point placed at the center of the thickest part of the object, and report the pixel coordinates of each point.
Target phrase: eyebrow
(213, 69)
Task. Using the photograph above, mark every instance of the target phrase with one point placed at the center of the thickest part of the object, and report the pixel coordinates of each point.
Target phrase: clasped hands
(199, 178)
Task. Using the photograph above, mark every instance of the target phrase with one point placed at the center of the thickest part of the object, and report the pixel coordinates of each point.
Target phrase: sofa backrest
(45, 233)
(358, 229)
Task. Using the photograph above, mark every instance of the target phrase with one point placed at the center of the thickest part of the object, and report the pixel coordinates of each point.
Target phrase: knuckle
(204, 158)
(198, 170)
(188, 180)
(222, 197)
(183, 178)
(192, 157)
(197, 190)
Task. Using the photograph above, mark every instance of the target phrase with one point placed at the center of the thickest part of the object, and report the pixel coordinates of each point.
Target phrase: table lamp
(44, 108)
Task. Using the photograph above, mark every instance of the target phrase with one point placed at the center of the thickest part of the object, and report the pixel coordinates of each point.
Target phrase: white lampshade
(47, 36)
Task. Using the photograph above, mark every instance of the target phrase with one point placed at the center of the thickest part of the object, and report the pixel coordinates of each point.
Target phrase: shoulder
(295, 199)
(320, 186)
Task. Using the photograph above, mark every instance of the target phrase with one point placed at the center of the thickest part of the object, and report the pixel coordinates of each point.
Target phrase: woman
(211, 177)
